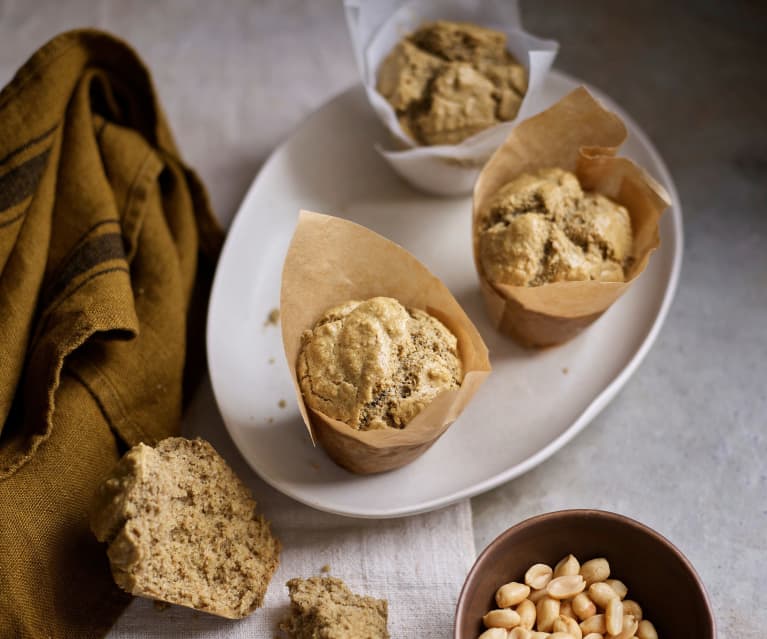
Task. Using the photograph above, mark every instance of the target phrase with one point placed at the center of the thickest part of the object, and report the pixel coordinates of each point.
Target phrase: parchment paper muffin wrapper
(580, 135)
(376, 26)
(331, 261)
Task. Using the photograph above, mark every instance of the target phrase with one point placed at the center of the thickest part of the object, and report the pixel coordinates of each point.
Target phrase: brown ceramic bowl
(658, 576)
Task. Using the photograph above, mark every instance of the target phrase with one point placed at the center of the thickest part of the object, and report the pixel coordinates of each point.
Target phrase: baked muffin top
(450, 80)
(542, 227)
(376, 364)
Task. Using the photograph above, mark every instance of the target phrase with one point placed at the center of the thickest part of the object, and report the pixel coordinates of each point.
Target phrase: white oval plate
(532, 404)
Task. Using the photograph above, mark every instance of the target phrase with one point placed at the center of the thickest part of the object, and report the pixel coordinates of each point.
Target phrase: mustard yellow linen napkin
(106, 244)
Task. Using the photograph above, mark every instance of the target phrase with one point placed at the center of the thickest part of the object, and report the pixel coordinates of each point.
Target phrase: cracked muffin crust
(543, 227)
(182, 528)
(325, 608)
(449, 80)
(376, 364)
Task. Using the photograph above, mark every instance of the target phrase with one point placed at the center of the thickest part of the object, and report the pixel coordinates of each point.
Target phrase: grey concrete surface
(683, 448)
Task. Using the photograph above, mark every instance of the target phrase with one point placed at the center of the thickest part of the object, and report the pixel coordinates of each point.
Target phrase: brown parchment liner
(331, 261)
(579, 135)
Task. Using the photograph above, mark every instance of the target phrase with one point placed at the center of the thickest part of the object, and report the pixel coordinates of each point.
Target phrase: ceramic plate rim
(589, 413)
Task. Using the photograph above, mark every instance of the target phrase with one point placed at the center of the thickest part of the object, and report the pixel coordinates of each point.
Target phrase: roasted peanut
(537, 595)
(595, 623)
(583, 607)
(547, 609)
(567, 624)
(527, 614)
(618, 586)
(551, 602)
(503, 618)
(614, 616)
(645, 630)
(601, 594)
(595, 570)
(538, 575)
(567, 566)
(629, 626)
(565, 587)
(631, 607)
(511, 594)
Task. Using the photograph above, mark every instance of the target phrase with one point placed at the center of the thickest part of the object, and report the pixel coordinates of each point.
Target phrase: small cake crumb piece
(325, 568)
(324, 607)
(273, 317)
(282, 403)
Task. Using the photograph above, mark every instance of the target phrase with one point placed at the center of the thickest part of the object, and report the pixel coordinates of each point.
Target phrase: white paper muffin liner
(376, 26)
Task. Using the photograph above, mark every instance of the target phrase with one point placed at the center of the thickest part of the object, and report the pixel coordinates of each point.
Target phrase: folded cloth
(106, 244)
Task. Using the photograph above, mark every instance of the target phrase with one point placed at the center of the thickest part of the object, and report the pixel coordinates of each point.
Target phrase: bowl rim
(580, 512)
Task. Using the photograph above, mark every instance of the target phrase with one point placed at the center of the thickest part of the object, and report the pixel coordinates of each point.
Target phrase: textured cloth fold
(106, 245)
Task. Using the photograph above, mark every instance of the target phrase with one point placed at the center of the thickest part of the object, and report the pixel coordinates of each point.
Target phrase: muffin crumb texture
(450, 80)
(183, 529)
(376, 364)
(273, 318)
(543, 227)
(325, 608)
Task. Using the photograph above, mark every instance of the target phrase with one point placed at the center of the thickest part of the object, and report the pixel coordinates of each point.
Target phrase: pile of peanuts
(572, 601)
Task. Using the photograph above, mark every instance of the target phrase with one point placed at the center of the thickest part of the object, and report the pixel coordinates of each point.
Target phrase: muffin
(382, 357)
(555, 247)
(375, 364)
(542, 227)
(183, 529)
(448, 81)
(324, 607)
